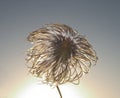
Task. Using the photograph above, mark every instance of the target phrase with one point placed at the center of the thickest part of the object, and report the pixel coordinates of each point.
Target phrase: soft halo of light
(33, 89)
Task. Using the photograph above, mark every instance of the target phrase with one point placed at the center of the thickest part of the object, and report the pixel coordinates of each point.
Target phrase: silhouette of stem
(59, 91)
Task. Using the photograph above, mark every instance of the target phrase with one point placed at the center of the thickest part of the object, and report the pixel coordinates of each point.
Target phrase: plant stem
(59, 91)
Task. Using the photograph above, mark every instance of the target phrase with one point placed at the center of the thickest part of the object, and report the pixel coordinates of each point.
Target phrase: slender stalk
(59, 91)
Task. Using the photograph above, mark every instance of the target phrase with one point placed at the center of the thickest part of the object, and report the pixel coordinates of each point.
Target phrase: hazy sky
(98, 20)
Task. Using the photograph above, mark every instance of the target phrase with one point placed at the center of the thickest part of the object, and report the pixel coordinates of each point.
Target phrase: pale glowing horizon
(32, 88)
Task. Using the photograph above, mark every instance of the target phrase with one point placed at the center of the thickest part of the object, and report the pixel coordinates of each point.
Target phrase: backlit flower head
(59, 54)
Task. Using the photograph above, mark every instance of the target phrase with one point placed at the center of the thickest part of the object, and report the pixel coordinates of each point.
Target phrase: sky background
(98, 20)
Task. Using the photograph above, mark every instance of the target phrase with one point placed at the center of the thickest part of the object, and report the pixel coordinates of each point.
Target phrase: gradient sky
(98, 20)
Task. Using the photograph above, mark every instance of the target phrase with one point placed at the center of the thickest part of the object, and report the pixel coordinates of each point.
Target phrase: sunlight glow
(36, 90)
(42, 91)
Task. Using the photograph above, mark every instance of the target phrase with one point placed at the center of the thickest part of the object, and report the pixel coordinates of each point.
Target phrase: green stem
(59, 91)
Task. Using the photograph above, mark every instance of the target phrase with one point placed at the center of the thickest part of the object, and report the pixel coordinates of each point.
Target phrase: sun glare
(43, 91)
(36, 90)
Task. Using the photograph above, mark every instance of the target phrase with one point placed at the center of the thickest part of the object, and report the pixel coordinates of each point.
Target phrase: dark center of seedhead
(65, 44)
(63, 48)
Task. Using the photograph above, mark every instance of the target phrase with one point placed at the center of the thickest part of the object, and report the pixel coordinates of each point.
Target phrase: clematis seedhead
(59, 54)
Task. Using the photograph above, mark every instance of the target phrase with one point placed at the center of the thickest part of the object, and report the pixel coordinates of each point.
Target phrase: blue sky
(98, 20)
